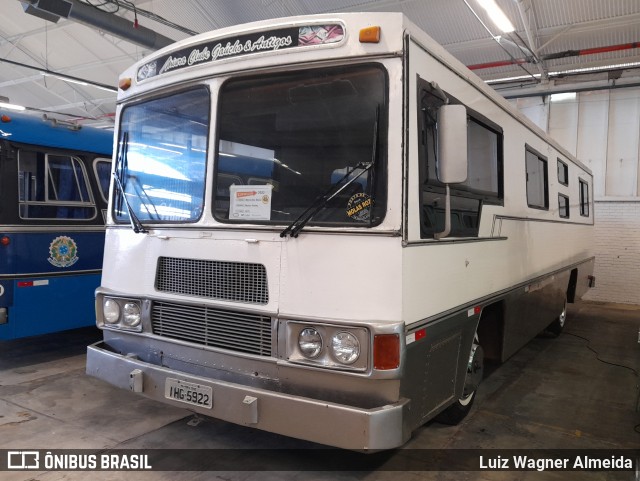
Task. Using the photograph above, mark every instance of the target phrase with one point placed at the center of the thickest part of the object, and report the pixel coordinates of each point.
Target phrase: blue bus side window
(102, 169)
(53, 186)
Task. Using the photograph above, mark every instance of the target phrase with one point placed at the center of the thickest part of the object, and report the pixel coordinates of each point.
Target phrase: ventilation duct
(36, 12)
(80, 12)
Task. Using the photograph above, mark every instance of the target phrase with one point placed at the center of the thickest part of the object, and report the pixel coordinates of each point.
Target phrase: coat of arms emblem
(63, 252)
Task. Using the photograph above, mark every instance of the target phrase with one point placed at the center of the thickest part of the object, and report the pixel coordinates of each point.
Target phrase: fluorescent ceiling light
(603, 68)
(497, 15)
(108, 89)
(11, 106)
(598, 69)
(513, 79)
(563, 96)
(65, 79)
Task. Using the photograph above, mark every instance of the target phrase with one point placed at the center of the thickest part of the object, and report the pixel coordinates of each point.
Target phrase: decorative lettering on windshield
(270, 41)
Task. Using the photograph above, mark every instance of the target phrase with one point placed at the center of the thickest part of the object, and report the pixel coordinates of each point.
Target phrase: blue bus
(54, 182)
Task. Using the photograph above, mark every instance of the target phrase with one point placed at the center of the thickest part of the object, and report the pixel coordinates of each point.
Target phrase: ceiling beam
(527, 14)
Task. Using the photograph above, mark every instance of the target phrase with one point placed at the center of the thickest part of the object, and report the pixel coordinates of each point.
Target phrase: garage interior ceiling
(557, 45)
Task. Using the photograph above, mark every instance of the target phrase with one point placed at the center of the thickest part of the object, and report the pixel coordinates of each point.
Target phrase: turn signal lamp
(5, 241)
(124, 83)
(386, 351)
(370, 34)
(6, 118)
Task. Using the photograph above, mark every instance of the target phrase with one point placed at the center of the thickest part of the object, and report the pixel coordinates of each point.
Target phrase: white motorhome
(320, 226)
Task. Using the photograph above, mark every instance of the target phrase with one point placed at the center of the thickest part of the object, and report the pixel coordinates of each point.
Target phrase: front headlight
(111, 311)
(327, 346)
(120, 313)
(131, 314)
(345, 347)
(310, 342)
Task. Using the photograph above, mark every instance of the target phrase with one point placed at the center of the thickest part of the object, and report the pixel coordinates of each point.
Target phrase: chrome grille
(228, 281)
(236, 331)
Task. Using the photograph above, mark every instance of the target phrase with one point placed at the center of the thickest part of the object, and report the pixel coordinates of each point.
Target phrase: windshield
(286, 139)
(162, 151)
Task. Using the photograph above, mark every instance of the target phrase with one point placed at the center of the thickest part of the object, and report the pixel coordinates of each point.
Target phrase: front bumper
(300, 417)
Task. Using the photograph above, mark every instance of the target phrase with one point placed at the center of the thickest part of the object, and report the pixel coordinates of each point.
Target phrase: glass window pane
(563, 206)
(584, 199)
(103, 174)
(51, 186)
(161, 160)
(482, 154)
(66, 180)
(563, 173)
(536, 169)
(292, 137)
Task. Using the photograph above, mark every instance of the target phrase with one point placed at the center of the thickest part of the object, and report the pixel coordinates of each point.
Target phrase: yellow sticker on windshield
(359, 207)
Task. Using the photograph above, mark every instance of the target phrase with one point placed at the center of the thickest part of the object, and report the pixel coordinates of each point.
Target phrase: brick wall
(617, 250)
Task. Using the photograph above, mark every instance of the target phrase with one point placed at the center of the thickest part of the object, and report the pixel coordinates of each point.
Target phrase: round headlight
(131, 314)
(346, 348)
(310, 342)
(110, 311)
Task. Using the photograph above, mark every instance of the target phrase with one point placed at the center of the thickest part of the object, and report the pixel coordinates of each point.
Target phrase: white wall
(602, 128)
(617, 239)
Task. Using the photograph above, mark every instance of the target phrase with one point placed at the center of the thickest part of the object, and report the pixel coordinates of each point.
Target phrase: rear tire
(557, 326)
(461, 407)
(457, 411)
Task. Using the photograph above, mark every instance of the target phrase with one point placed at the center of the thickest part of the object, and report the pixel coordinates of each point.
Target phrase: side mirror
(452, 144)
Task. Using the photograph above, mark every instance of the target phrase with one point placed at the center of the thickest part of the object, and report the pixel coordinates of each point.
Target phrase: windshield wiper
(136, 225)
(296, 226)
(146, 201)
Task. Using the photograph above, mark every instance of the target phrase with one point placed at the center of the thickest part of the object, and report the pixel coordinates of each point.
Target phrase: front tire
(461, 407)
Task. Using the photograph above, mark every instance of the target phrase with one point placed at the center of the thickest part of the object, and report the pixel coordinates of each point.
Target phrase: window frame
(429, 184)
(118, 204)
(545, 162)
(48, 201)
(565, 170)
(96, 161)
(568, 206)
(584, 199)
(381, 168)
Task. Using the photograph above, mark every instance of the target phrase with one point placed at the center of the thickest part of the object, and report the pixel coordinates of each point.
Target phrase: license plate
(188, 392)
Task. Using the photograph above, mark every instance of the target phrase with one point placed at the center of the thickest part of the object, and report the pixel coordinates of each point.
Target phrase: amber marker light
(370, 34)
(5, 241)
(386, 351)
(124, 83)
(6, 118)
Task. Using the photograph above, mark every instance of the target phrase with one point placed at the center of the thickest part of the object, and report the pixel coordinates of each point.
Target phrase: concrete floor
(554, 393)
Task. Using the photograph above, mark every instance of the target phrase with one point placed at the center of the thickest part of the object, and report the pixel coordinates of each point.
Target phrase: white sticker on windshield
(250, 202)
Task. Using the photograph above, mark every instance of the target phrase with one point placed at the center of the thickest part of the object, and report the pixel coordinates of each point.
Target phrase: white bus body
(354, 326)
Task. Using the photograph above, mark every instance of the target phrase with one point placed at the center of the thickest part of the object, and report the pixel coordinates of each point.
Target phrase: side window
(484, 180)
(563, 173)
(102, 169)
(483, 146)
(537, 180)
(584, 198)
(53, 186)
(563, 206)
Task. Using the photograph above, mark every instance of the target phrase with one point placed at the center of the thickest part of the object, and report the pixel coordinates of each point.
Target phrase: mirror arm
(447, 216)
